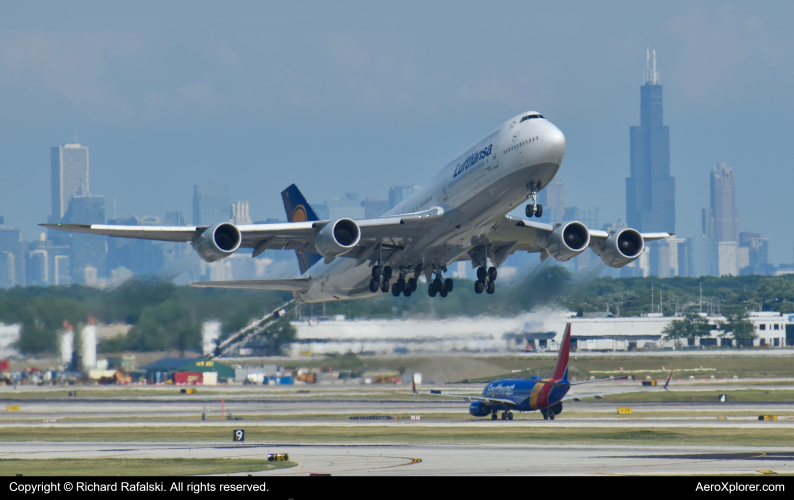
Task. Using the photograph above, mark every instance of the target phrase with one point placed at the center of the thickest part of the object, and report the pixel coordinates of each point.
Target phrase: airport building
(187, 371)
(529, 333)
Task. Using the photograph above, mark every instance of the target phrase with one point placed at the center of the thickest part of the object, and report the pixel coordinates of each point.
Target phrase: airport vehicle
(462, 214)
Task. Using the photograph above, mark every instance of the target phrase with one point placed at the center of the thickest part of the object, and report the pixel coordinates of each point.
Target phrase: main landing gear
(485, 280)
(439, 285)
(406, 287)
(380, 279)
(549, 413)
(534, 208)
(506, 415)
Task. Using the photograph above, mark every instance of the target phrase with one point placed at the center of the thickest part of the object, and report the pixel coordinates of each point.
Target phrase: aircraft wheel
(510, 416)
(431, 290)
(492, 274)
(401, 283)
(481, 273)
(438, 284)
(493, 416)
(551, 415)
(491, 288)
(373, 285)
(538, 210)
(412, 284)
(384, 287)
(395, 289)
(387, 273)
(407, 292)
(504, 415)
(479, 286)
(375, 272)
(529, 211)
(443, 292)
(448, 284)
(545, 415)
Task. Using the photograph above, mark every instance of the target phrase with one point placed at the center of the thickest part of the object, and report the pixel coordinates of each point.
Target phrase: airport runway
(447, 459)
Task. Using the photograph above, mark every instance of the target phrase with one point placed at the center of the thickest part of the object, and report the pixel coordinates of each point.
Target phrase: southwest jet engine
(622, 248)
(479, 409)
(218, 242)
(337, 238)
(567, 241)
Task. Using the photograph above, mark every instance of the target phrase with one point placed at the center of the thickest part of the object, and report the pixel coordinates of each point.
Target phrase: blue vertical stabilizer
(299, 210)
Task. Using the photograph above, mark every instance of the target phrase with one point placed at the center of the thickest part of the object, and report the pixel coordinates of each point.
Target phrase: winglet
(560, 371)
(668, 381)
(413, 383)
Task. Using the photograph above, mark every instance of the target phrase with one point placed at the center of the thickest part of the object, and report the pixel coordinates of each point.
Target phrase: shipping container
(189, 378)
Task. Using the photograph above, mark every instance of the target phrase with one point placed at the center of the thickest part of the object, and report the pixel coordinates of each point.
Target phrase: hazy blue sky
(358, 96)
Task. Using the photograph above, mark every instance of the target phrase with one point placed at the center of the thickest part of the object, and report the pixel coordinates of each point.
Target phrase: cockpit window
(529, 117)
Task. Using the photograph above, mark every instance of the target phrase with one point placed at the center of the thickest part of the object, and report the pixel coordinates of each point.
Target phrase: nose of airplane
(554, 142)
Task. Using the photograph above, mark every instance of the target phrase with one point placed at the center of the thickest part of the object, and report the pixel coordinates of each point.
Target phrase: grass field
(368, 433)
(134, 466)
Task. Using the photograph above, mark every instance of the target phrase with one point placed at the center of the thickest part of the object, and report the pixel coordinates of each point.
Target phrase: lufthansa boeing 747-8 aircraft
(460, 215)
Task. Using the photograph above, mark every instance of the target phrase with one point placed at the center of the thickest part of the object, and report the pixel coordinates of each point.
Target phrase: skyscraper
(552, 197)
(210, 204)
(721, 221)
(399, 193)
(650, 191)
(12, 260)
(69, 171)
(88, 250)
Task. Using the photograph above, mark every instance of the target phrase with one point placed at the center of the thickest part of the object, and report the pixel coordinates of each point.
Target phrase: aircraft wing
(490, 401)
(285, 285)
(472, 398)
(282, 236)
(513, 234)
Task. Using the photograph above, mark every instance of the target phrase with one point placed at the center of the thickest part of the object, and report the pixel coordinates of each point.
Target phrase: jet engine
(622, 248)
(479, 409)
(337, 237)
(218, 242)
(567, 241)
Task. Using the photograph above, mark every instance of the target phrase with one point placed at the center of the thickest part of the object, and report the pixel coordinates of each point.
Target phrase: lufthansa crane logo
(299, 214)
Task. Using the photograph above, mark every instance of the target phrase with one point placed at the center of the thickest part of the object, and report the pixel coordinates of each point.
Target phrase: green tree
(689, 327)
(740, 328)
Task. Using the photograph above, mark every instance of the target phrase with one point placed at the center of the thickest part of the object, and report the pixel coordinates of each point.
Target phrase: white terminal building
(335, 335)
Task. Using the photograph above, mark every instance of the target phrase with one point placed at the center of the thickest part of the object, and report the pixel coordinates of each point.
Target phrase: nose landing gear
(534, 208)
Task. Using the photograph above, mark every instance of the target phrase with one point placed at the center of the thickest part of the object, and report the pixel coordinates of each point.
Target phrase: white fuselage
(486, 181)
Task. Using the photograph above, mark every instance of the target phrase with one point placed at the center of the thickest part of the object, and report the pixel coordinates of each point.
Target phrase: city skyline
(183, 101)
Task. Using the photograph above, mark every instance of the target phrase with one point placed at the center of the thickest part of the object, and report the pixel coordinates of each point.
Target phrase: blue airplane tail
(299, 210)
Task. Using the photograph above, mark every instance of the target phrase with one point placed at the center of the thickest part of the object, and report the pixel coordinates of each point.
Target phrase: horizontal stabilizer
(283, 285)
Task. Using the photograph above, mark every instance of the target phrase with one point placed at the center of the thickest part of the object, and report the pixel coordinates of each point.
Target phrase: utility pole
(700, 305)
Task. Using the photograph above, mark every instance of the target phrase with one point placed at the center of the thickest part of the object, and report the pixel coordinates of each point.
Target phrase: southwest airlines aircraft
(460, 215)
(542, 394)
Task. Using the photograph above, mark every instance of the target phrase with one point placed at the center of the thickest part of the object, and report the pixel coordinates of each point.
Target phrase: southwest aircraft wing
(283, 236)
(287, 285)
(469, 399)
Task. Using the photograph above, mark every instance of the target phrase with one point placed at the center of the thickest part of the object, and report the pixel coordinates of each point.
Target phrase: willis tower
(650, 191)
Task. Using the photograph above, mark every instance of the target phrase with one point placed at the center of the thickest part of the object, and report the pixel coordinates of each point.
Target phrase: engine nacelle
(218, 242)
(337, 238)
(567, 241)
(479, 409)
(622, 247)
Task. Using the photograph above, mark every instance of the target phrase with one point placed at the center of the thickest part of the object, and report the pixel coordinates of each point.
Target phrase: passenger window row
(522, 143)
